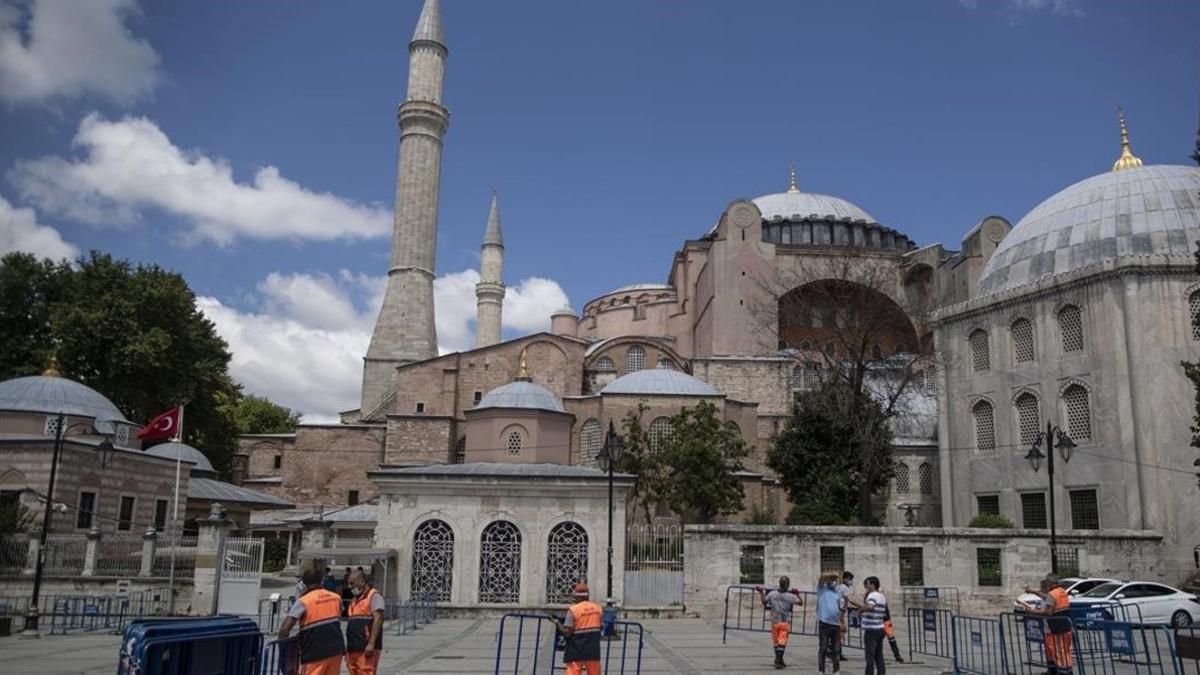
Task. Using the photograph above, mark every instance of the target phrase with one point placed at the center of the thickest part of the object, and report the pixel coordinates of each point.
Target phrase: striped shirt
(876, 611)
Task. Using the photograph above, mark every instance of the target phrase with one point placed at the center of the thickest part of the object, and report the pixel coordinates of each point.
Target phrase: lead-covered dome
(1147, 212)
(185, 453)
(660, 381)
(52, 394)
(520, 394)
(797, 205)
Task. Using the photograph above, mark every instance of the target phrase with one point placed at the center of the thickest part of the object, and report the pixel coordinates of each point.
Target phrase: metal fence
(1187, 649)
(977, 645)
(119, 555)
(929, 632)
(14, 553)
(528, 644)
(185, 557)
(280, 657)
(353, 538)
(65, 554)
(930, 597)
(744, 611)
(653, 566)
(409, 615)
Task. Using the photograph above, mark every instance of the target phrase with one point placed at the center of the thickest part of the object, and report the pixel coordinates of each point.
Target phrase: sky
(252, 147)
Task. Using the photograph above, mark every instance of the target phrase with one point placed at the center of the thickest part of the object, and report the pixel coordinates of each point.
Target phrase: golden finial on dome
(52, 369)
(792, 189)
(1127, 160)
(522, 369)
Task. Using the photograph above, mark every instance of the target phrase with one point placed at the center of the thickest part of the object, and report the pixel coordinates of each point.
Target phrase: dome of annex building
(53, 394)
(660, 381)
(1151, 213)
(520, 394)
(185, 453)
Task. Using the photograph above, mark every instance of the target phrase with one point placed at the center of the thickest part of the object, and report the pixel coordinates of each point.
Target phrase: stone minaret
(489, 292)
(405, 330)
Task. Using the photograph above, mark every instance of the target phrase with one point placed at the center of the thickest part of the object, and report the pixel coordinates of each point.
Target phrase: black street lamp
(1052, 436)
(104, 453)
(609, 455)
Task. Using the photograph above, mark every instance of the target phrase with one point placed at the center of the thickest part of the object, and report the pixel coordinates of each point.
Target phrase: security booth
(379, 562)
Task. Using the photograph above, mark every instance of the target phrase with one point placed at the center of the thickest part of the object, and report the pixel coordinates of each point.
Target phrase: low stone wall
(23, 586)
(713, 556)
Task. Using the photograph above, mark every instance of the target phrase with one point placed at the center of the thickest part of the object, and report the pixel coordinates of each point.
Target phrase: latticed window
(902, 486)
(1085, 510)
(980, 358)
(666, 364)
(1033, 510)
(1028, 418)
(988, 564)
(912, 566)
(925, 476)
(985, 426)
(433, 561)
(500, 563)
(660, 431)
(566, 561)
(1194, 314)
(514, 441)
(1079, 413)
(635, 359)
(591, 437)
(1070, 326)
(987, 504)
(833, 559)
(605, 365)
(1022, 339)
(51, 428)
(122, 436)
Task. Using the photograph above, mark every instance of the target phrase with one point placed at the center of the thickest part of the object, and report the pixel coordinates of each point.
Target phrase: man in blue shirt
(829, 621)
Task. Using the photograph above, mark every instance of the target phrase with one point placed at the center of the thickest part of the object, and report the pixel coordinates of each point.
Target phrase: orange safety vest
(1060, 620)
(320, 627)
(358, 624)
(584, 643)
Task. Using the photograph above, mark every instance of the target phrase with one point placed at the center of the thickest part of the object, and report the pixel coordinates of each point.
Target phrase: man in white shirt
(874, 612)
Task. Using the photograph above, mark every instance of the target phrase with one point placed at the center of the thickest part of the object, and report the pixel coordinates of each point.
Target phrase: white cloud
(130, 166)
(1013, 9)
(20, 231)
(56, 49)
(302, 346)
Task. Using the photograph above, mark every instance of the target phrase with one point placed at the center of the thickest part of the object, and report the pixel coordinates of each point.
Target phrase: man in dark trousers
(582, 631)
(873, 610)
(829, 622)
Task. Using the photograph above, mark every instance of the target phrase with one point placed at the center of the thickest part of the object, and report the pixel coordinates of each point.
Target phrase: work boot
(779, 664)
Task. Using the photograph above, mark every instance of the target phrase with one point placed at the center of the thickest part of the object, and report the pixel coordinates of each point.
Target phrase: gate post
(91, 552)
(149, 542)
(210, 554)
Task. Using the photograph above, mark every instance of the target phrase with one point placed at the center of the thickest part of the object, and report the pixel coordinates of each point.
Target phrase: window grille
(1079, 414)
(122, 436)
(1033, 510)
(1194, 314)
(985, 426)
(1022, 338)
(635, 359)
(806, 377)
(514, 443)
(902, 486)
(1028, 418)
(460, 450)
(1085, 510)
(912, 566)
(988, 564)
(160, 514)
(1068, 562)
(980, 358)
(666, 364)
(500, 563)
(925, 476)
(751, 566)
(566, 561)
(833, 559)
(605, 365)
(1070, 324)
(987, 504)
(660, 431)
(125, 513)
(433, 561)
(52, 425)
(87, 507)
(591, 437)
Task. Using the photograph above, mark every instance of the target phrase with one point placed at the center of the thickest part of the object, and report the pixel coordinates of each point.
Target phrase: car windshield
(1101, 591)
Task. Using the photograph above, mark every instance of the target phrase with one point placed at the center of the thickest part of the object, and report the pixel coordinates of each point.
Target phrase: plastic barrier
(977, 645)
(1187, 650)
(930, 597)
(526, 644)
(929, 632)
(280, 657)
(191, 647)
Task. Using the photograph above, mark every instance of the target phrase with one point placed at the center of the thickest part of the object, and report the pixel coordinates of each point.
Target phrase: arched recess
(844, 313)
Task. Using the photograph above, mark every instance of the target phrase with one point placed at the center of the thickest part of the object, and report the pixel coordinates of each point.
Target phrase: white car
(1158, 603)
(1074, 586)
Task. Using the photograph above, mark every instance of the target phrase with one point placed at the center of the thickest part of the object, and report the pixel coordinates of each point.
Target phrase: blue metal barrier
(1187, 650)
(190, 646)
(1111, 647)
(526, 644)
(929, 632)
(929, 597)
(744, 611)
(409, 615)
(977, 646)
(280, 657)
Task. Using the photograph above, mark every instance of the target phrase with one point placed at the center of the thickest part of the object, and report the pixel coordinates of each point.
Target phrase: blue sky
(613, 131)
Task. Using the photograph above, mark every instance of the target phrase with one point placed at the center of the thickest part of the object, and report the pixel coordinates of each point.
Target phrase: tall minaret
(405, 330)
(489, 292)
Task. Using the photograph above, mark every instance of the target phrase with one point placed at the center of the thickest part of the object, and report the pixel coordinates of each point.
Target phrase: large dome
(1151, 213)
(185, 453)
(53, 394)
(660, 381)
(790, 205)
(520, 394)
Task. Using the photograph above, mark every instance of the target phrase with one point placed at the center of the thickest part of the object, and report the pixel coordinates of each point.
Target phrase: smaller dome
(660, 381)
(520, 394)
(185, 453)
(565, 310)
(52, 394)
(785, 205)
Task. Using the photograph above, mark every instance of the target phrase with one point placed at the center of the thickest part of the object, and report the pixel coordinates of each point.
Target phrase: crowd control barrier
(929, 633)
(1113, 647)
(280, 657)
(930, 597)
(744, 611)
(527, 644)
(185, 646)
(409, 615)
(1187, 650)
(976, 645)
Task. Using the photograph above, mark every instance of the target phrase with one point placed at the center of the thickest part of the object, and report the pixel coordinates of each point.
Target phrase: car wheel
(1181, 619)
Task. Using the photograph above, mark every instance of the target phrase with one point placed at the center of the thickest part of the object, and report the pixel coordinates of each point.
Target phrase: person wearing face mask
(364, 629)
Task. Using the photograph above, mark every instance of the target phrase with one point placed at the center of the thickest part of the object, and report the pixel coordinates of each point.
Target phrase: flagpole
(175, 519)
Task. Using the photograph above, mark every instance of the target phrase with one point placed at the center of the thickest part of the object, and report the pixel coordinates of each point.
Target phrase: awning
(348, 554)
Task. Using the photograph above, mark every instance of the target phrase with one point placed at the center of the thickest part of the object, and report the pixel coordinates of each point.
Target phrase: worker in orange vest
(582, 631)
(1056, 607)
(364, 630)
(319, 613)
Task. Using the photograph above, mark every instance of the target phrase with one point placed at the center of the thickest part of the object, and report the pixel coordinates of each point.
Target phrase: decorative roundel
(742, 215)
(994, 231)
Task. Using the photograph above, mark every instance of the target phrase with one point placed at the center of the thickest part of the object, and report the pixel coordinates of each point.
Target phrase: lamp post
(104, 452)
(1052, 436)
(610, 454)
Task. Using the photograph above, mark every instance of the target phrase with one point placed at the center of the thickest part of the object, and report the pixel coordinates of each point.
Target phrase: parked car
(1158, 603)
(1073, 585)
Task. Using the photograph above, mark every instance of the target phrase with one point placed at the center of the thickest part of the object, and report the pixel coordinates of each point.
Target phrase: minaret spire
(1127, 160)
(405, 330)
(489, 292)
(792, 189)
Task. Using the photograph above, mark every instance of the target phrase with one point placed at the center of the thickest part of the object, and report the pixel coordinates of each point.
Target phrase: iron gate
(241, 576)
(653, 566)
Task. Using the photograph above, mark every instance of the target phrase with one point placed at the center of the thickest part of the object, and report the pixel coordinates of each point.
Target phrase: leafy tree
(836, 446)
(14, 517)
(991, 520)
(637, 459)
(258, 415)
(698, 464)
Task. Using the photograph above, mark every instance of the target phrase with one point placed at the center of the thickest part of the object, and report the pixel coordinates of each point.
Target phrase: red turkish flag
(165, 425)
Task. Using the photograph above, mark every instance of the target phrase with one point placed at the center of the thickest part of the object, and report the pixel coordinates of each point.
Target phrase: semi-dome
(520, 394)
(660, 381)
(185, 453)
(789, 205)
(53, 394)
(1148, 212)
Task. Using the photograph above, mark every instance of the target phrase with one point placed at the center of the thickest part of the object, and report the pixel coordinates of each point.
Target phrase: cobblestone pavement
(469, 646)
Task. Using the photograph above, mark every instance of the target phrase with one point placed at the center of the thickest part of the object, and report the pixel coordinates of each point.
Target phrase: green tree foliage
(14, 517)
(637, 459)
(991, 520)
(837, 444)
(257, 415)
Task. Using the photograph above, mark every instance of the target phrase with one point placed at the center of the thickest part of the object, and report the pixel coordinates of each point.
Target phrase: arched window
(665, 363)
(985, 426)
(1070, 326)
(1022, 339)
(1194, 313)
(605, 365)
(1028, 418)
(980, 357)
(433, 561)
(513, 441)
(500, 563)
(902, 486)
(660, 431)
(566, 561)
(591, 436)
(925, 478)
(635, 359)
(1079, 413)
